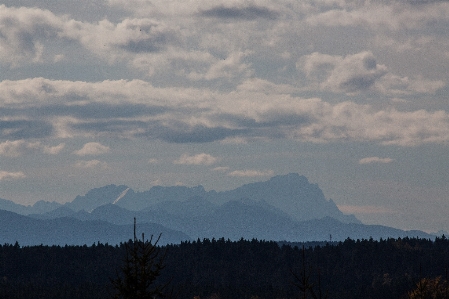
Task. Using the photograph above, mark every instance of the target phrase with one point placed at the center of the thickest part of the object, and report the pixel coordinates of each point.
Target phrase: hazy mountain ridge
(233, 220)
(290, 193)
(285, 207)
(71, 231)
(39, 207)
(97, 197)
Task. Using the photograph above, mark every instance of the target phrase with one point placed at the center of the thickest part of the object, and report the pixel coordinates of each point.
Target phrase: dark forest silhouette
(390, 268)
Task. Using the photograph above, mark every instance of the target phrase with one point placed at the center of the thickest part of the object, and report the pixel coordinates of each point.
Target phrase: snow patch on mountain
(121, 196)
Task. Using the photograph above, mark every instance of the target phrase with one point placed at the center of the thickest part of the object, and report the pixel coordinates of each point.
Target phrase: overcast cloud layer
(351, 94)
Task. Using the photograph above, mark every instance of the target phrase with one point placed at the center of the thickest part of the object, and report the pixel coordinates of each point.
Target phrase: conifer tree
(142, 266)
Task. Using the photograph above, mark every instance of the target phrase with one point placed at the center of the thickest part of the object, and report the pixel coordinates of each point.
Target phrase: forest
(219, 268)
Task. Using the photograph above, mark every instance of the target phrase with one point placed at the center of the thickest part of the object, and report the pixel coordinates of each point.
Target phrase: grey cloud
(88, 111)
(124, 128)
(24, 129)
(245, 13)
(23, 32)
(196, 134)
(350, 74)
(358, 83)
(135, 36)
(273, 119)
(137, 109)
(156, 130)
(100, 111)
(143, 46)
(286, 120)
(273, 127)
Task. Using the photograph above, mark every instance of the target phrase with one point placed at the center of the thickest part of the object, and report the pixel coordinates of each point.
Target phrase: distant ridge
(291, 193)
(283, 208)
(71, 231)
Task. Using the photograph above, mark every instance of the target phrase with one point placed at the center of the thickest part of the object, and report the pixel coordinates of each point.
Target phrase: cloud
(350, 74)
(353, 74)
(54, 150)
(196, 134)
(136, 109)
(199, 159)
(11, 148)
(247, 13)
(23, 129)
(250, 173)
(5, 175)
(92, 148)
(396, 85)
(395, 15)
(265, 86)
(370, 160)
(133, 41)
(229, 68)
(16, 148)
(91, 164)
(26, 33)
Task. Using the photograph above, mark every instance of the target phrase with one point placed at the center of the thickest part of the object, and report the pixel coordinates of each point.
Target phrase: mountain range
(285, 207)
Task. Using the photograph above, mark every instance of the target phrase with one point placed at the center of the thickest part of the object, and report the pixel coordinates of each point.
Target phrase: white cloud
(92, 148)
(11, 148)
(394, 16)
(360, 72)
(265, 86)
(369, 160)
(129, 36)
(6, 175)
(91, 164)
(199, 159)
(138, 109)
(16, 148)
(229, 67)
(350, 74)
(250, 173)
(23, 32)
(54, 150)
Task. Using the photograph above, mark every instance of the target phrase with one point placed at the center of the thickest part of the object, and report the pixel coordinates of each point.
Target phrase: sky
(351, 94)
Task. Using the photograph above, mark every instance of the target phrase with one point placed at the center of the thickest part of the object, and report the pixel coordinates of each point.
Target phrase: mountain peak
(293, 176)
(98, 197)
(290, 193)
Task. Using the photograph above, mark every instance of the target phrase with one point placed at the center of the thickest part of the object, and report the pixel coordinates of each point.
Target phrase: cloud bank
(41, 108)
(199, 159)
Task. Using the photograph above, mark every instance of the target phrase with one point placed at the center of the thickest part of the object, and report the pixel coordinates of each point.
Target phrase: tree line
(220, 268)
